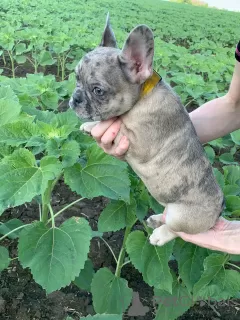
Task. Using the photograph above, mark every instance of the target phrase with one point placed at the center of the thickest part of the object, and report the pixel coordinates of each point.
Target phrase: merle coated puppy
(164, 149)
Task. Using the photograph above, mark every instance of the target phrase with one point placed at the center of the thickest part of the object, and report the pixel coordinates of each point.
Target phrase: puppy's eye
(98, 91)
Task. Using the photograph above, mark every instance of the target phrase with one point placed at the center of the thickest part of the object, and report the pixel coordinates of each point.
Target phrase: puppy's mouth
(82, 113)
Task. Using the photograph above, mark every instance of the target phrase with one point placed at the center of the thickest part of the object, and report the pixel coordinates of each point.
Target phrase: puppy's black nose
(77, 97)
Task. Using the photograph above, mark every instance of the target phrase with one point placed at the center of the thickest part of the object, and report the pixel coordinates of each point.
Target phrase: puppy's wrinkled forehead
(100, 65)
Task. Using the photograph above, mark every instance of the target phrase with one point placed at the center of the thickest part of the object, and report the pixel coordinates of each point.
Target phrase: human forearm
(220, 116)
(216, 118)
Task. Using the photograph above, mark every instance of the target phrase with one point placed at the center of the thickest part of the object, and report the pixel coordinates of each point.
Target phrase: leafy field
(41, 149)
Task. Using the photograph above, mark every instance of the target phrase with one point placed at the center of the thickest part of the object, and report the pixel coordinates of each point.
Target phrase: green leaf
(216, 281)
(232, 174)
(9, 226)
(102, 176)
(236, 137)
(210, 153)
(84, 279)
(45, 58)
(55, 256)
(155, 206)
(104, 317)
(21, 59)
(117, 215)
(50, 99)
(18, 132)
(219, 177)
(231, 190)
(232, 203)
(227, 158)
(190, 261)
(4, 258)
(69, 153)
(9, 108)
(172, 306)
(117, 295)
(151, 261)
(20, 179)
(20, 48)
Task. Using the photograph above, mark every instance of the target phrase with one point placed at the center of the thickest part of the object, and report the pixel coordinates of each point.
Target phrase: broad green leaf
(10, 226)
(151, 261)
(232, 203)
(216, 281)
(56, 255)
(236, 137)
(117, 215)
(20, 48)
(69, 153)
(4, 258)
(104, 317)
(84, 279)
(51, 131)
(227, 158)
(117, 295)
(155, 206)
(5, 150)
(190, 261)
(172, 306)
(9, 108)
(102, 176)
(66, 118)
(50, 99)
(232, 174)
(17, 133)
(45, 58)
(7, 93)
(231, 190)
(21, 59)
(20, 179)
(210, 153)
(219, 177)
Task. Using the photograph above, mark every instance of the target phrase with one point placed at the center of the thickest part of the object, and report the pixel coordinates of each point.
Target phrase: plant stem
(109, 249)
(12, 64)
(65, 208)
(18, 228)
(4, 60)
(122, 251)
(233, 265)
(46, 198)
(52, 215)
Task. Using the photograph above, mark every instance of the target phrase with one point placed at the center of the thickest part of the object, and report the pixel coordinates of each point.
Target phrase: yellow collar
(150, 83)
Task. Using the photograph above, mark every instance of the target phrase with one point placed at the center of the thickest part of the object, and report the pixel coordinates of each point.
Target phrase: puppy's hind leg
(162, 235)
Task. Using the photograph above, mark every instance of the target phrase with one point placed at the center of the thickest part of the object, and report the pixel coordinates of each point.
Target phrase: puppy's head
(109, 80)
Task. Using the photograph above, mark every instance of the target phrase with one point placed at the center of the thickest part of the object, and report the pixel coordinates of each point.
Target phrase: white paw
(87, 127)
(161, 235)
(155, 221)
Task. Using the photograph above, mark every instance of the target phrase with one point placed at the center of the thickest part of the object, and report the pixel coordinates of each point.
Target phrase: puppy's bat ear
(136, 58)
(108, 37)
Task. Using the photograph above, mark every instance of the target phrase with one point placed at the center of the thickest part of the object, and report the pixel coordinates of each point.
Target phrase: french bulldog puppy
(164, 148)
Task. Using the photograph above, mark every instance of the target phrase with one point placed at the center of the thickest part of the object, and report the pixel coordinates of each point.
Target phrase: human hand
(224, 236)
(105, 132)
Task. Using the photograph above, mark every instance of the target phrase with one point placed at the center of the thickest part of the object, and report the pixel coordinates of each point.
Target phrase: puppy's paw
(87, 127)
(155, 221)
(161, 235)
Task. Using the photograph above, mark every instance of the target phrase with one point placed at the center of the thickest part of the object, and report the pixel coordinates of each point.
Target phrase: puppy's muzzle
(77, 98)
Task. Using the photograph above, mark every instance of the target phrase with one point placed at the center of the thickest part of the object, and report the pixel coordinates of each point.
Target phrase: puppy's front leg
(162, 235)
(87, 126)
